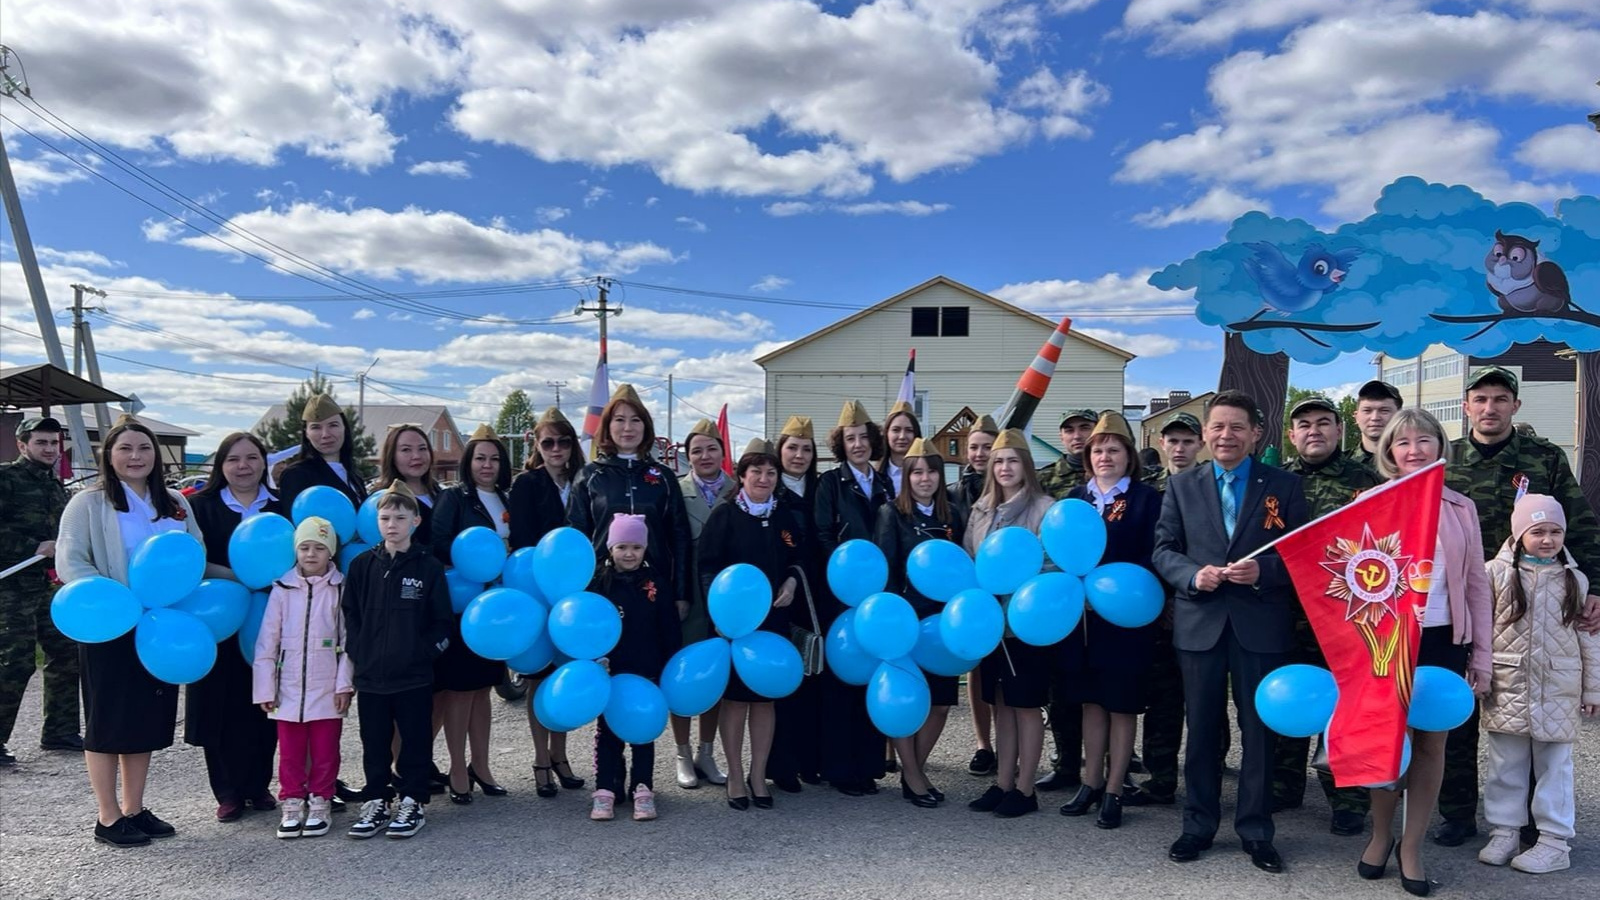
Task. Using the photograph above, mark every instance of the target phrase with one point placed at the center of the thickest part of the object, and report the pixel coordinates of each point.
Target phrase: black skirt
(459, 669)
(125, 709)
(220, 704)
(1021, 670)
(944, 689)
(1438, 648)
(1105, 664)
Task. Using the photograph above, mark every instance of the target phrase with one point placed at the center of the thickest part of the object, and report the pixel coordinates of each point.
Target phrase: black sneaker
(374, 816)
(983, 763)
(1015, 804)
(69, 742)
(408, 819)
(989, 799)
(121, 833)
(1136, 765)
(1455, 832)
(147, 822)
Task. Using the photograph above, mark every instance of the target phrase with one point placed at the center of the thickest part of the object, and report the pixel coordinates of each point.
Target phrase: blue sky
(1052, 152)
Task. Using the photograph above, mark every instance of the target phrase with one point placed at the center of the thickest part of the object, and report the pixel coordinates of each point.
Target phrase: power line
(151, 365)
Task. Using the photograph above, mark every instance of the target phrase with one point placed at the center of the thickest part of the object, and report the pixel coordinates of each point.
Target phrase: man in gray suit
(1231, 618)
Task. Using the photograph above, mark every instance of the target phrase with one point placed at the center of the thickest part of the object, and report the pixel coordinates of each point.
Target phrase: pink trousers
(308, 758)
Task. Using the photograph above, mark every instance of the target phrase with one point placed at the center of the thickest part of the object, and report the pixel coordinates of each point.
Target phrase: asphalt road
(814, 844)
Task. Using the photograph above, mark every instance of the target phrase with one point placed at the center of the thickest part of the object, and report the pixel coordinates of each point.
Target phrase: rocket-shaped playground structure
(1035, 380)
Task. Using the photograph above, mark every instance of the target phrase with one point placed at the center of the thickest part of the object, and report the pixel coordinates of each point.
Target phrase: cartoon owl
(1520, 281)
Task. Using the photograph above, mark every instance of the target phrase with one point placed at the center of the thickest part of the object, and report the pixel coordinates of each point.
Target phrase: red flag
(722, 432)
(1362, 573)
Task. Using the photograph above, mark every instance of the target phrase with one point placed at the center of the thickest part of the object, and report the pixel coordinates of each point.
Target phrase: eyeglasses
(553, 443)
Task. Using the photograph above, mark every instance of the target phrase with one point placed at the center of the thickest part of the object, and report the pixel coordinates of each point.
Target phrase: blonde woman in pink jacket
(303, 678)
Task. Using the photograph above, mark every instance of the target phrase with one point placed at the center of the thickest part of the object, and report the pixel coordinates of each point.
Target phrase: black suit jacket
(1190, 534)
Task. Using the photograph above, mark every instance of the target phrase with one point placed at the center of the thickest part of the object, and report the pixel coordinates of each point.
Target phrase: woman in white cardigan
(127, 712)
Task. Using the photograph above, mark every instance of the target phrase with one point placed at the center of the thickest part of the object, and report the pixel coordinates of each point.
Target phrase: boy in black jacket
(397, 618)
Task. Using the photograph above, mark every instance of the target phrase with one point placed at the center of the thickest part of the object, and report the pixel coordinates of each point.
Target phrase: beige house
(1163, 408)
(1436, 381)
(970, 348)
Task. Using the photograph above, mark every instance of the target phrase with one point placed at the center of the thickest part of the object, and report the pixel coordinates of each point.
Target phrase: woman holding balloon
(538, 504)
(407, 455)
(1102, 664)
(461, 678)
(796, 745)
(128, 713)
(1016, 677)
(749, 527)
(237, 736)
(1457, 623)
(848, 499)
(327, 454)
(921, 512)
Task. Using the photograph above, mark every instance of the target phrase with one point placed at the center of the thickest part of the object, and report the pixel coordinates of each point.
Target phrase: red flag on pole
(722, 432)
(1362, 573)
(599, 394)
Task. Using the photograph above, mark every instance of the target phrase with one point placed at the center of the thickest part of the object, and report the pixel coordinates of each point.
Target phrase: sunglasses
(553, 443)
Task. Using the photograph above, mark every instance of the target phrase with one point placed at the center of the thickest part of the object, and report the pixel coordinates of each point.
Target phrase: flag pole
(1364, 496)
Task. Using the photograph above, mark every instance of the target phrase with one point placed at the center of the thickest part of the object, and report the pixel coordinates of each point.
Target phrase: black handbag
(808, 641)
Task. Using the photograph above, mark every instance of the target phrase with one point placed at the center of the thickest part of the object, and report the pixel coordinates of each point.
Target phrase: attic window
(939, 321)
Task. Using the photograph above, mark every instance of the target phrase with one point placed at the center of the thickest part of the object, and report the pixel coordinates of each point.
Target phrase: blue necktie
(1230, 504)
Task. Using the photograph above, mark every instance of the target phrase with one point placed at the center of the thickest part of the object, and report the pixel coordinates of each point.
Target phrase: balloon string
(1007, 651)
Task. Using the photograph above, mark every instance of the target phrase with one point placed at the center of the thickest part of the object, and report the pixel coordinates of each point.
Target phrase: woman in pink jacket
(303, 678)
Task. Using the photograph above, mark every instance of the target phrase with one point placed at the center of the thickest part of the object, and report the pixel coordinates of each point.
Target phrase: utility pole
(558, 385)
(670, 404)
(361, 394)
(602, 311)
(82, 450)
(84, 341)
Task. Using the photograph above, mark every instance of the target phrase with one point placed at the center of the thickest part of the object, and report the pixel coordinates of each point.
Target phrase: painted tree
(516, 417)
(280, 434)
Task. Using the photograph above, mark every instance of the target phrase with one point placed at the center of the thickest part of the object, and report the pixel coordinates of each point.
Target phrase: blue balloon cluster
(261, 550)
(856, 570)
(1074, 535)
(331, 504)
(502, 622)
(738, 600)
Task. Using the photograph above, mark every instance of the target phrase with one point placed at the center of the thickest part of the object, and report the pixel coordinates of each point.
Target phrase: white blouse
(139, 523)
(497, 512)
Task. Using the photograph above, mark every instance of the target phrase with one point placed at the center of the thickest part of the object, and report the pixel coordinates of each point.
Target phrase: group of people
(1508, 609)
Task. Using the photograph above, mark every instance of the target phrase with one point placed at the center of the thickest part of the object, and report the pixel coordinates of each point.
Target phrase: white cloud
(913, 208)
(431, 246)
(1217, 205)
(1145, 345)
(1193, 24)
(691, 224)
(595, 195)
(42, 174)
(87, 259)
(449, 168)
(651, 201)
(1111, 291)
(1348, 104)
(1565, 148)
(770, 283)
(160, 231)
(1062, 100)
(549, 215)
(364, 313)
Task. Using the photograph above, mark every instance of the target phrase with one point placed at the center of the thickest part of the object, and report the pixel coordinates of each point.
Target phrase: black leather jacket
(643, 486)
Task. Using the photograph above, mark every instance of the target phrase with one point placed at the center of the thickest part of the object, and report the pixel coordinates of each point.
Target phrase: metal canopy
(43, 385)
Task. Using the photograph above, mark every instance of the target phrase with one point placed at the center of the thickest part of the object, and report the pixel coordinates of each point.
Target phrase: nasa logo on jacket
(410, 588)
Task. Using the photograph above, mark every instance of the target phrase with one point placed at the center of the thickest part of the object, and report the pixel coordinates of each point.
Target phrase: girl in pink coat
(303, 678)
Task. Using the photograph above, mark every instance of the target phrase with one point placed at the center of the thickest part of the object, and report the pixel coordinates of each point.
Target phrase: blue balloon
(739, 599)
(462, 589)
(479, 553)
(536, 658)
(1124, 594)
(174, 646)
(940, 570)
(261, 550)
(636, 710)
(1046, 608)
(328, 503)
(857, 569)
(696, 676)
(842, 652)
(1297, 701)
(95, 609)
(972, 624)
(886, 626)
(501, 623)
(367, 519)
(932, 656)
(251, 629)
(898, 700)
(1074, 535)
(166, 568)
(518, 573)
(1007, 558)
(348, 553)
(563, 562)
(573, 696)
(585, 625)
(1440, 700)
(220, 603)
(768, 664)
(1405, 763)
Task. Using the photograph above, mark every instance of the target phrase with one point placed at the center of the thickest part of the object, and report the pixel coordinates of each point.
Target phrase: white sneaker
(686, 776)
(374, 816)
(644, 804)
(318, 812)
(705, 765)
(1503, 845)
(408, 819)
(294, 816)
(1542, 859)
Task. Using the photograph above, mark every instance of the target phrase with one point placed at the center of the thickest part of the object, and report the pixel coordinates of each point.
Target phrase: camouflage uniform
(1362, 456)
(33, 499)
(1060, 477)
(1524, 465)
(1328, 487)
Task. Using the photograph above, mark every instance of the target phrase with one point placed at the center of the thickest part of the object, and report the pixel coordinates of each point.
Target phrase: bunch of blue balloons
(874, 642)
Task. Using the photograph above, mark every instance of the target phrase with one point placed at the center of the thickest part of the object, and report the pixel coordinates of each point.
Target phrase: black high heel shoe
(568, 780)
(1373, 872)
(1084, 800)
(489, 790)
(461, 798)
(1110, 812)
(547, 785)
(739, 803)
(1416, 887)
(759, 801)
(921, 801)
